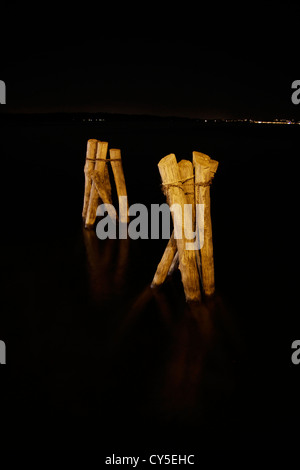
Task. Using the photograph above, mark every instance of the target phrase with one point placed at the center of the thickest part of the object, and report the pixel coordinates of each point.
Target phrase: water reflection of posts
(122, 264)
(107, 264)
(148, 297)
(191, 339)
(185, 337)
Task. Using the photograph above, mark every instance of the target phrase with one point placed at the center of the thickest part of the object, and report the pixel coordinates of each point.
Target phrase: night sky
(144, 75)
(95, 360)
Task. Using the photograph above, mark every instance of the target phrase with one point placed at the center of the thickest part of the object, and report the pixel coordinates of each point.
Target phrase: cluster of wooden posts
(97, 181)
(183, 183)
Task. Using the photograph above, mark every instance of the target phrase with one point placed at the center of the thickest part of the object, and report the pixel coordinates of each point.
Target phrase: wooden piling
(173, 188)
(188, 182)
(117, 168)
(205, 169)
(165, 263)
(88, 170)
(174, 264)
(170, 259)
(100, 184)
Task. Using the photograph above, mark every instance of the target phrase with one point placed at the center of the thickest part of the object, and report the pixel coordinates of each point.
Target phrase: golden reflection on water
(191, 360)
(195, 364)
(107, 263)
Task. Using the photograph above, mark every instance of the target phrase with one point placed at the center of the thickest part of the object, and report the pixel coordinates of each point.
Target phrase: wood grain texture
(101, 189)
(170, 259)
(170, 176)
(88, 170)
(205, 169)
(117, 168)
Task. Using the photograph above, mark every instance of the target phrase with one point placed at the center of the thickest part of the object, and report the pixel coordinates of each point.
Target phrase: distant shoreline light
(253, 121)
(209, 121)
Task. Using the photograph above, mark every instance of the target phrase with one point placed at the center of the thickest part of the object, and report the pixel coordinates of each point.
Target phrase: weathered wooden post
(165, 264)
(173, 188)
(88, 170)
(188, 181)
(205, 169)
(100, 184)
(101, 181)
(170, 258)
(117, 168)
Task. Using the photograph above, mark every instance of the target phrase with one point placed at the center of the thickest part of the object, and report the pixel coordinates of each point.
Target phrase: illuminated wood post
(98, 187)
(173, 188)
(164, 266)
(170, 259)
(117, 168)
(101, 180)
(100, 184)
(188, 178)
(88, 170)
(205, 169)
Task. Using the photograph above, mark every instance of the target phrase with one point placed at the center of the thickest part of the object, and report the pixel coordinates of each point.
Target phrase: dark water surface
(97, 359)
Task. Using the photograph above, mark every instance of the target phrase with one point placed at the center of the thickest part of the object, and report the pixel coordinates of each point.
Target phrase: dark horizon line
(113, 115)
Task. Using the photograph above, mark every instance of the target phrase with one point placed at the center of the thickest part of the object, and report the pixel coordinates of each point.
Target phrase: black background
(233, 75)
(94, 364)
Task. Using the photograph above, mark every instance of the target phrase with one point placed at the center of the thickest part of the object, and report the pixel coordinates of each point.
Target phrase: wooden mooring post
(205, 169)
(97, 182)
(173, 189)
(189, 183)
